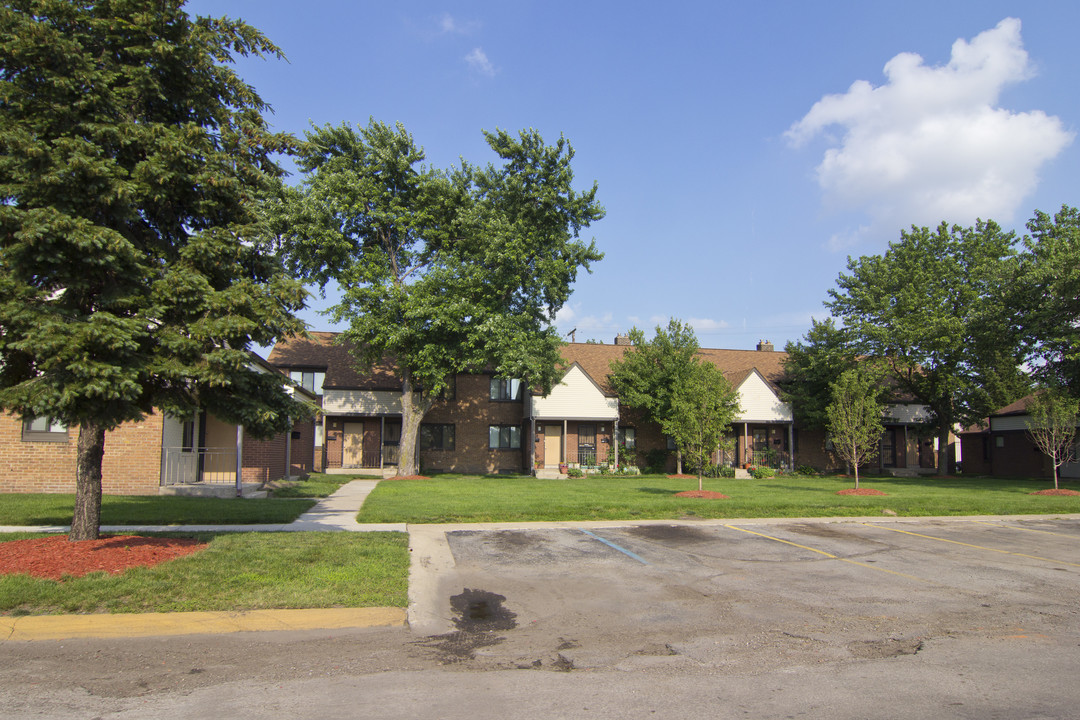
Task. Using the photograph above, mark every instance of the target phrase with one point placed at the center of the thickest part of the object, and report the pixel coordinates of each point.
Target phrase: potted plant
(563, 467)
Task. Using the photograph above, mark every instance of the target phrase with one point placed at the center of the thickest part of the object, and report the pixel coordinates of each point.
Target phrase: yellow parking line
(977, 547)
(826, 554)
(1017, 527)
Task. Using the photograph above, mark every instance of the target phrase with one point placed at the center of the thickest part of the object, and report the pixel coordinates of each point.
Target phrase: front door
(586, 444)
(552, 445)
(888, 448)
(352, 454)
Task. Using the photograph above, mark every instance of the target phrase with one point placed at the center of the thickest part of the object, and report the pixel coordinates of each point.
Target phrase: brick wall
(1018, 456)
(472, 412)
(131, 465)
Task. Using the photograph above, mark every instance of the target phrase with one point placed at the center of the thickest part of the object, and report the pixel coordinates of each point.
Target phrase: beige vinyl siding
(362, 402)
(575, 397)
(906, 414)
(759, 403)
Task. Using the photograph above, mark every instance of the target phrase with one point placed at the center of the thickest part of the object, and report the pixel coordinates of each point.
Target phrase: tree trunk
(86, 521)
(413, 408)
(943, 450)
(1054, 462)
(856, 476)
(678, 462)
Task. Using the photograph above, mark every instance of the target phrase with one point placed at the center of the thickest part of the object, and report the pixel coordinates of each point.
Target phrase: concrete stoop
(741, 473)
(224, 490)
(549, 474)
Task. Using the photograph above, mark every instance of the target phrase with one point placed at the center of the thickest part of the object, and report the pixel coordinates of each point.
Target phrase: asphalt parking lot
(753, 595)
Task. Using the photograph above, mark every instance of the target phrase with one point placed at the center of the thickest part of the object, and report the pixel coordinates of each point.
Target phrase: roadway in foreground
(944, 618)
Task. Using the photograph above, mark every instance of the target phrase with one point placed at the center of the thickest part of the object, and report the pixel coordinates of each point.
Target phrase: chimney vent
(622, 339)
(765, 346)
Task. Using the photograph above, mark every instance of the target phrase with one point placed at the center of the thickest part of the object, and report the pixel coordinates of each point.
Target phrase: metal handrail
(211, 466)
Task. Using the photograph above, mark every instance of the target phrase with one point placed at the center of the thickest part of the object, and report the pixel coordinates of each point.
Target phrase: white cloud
(479, 62)
(931, 144)
(705, 325)
(449, 25)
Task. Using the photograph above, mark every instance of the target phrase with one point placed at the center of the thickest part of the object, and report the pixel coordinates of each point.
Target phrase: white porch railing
(184, 466)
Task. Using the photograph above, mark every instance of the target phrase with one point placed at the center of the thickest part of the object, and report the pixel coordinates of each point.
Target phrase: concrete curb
(65, 627)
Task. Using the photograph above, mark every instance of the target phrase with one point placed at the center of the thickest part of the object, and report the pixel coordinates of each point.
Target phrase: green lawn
(238, 571)
(456, 498)
(56, 509)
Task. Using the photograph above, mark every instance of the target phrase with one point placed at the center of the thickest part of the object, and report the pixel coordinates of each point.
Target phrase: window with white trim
(504, 390)
(504, 437)
(437, 436)
(44, 429)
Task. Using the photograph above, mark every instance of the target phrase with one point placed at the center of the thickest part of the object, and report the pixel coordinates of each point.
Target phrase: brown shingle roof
(736, 365)
(322, 351)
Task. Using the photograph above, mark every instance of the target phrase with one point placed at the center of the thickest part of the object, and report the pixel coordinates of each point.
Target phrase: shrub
(762, 472)
(575, 473)
(656, 460)
(727, 471)
(807, 470)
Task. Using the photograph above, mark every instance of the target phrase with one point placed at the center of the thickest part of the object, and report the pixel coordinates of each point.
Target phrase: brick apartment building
(159, 451)
(496, 425)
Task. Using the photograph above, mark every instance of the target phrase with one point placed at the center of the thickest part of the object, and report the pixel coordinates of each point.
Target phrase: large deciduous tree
(131, 158)
(702, 410)
(1047, 297)
(810, 369)
(934, 309)
(853, 417)
(1052, 425)
(649, 375)
(442, 271)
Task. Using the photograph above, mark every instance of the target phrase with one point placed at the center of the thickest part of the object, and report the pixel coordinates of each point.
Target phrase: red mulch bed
(860, 491)
(54, 557)
(684, 476)
(707, 494)
(1057, 491)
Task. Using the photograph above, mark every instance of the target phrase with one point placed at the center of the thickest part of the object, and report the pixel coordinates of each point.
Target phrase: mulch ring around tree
(860, 491)
(706, 494)
(1055, 491)
(54, 557)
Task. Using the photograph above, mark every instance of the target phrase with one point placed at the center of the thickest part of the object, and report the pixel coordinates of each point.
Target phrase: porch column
(745, 442)
(239, 460)
(382, 434)
(562, 451)
(615, 439)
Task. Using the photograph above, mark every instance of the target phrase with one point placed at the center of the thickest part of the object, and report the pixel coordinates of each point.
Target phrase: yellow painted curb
(62, 627)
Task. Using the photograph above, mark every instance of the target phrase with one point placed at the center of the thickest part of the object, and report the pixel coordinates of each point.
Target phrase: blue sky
(743, 150)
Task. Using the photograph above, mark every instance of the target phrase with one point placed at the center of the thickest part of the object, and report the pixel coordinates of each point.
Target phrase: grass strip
(238, 571)
(459, 498)
(57, 508)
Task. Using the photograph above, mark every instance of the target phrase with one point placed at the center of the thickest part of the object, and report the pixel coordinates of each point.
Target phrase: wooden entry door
(352, 454)
(552, 445)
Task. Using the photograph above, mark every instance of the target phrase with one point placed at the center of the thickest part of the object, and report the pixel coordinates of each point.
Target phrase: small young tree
(650, 374)
(701, 412)
(854, 418)
(1052, 424)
